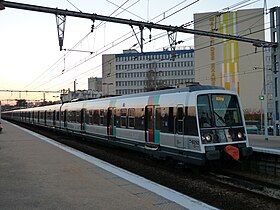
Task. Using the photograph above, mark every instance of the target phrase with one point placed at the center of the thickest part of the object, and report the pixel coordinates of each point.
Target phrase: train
(193, 125)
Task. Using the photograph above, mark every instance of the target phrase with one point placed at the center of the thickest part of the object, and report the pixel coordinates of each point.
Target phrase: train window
(190, 122)
(32, 116)
(65, 117)
(49, 115)
(96, 117)
(57, 115)
(78, 116)
(116, 113)
(101, 116)
(139, 118)
(123, 117)
(158, 119)
(62, 116)
(45, 117)
(41, 115)
(226, 110)
(164, 119)
(105, 117)
(35, 115)
(87, 117)
(171, 120)
(179, 120)
(69, 116)
(28, 116)
(74, 116)
(53, 116)
(90, 117)
(150, 117)
(131, 118)
(204, 112)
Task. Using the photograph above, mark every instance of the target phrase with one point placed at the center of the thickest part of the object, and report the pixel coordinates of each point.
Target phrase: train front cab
(221, 126)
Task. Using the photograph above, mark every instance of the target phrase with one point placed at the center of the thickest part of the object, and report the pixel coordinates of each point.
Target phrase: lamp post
(264, 99)
(75, 85)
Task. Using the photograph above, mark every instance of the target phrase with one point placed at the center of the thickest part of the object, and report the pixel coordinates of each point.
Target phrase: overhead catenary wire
(208, 46)
(217, 61)
(65, 55)
(73, 5)
(196, 49)
(127, 70)
(75, 46)
(94, 56)
(85, 59)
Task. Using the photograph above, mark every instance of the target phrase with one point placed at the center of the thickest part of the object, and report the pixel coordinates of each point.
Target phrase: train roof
(189, 88)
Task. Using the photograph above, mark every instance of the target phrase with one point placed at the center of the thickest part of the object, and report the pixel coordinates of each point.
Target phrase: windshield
(218, 110)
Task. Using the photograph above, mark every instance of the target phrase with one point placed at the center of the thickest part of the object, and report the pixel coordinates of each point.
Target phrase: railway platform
(38, 173)
(259, 143)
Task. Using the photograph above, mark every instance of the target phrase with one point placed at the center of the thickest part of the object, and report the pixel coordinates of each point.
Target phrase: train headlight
(239, 135)
(208, 137)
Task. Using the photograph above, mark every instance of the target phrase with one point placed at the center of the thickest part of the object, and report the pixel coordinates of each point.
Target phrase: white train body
(188, 124)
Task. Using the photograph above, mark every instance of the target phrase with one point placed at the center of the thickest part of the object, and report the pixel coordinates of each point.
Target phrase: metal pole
(130, 22)
(265, 99)
(262, 124)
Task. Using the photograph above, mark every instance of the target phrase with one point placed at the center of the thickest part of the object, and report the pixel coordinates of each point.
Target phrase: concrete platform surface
(38, 173)
(269, 145)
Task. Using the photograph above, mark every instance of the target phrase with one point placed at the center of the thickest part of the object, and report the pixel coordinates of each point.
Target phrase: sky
(30, 58)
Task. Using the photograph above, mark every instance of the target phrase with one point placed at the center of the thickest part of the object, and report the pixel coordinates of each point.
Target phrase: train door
(33, 116)
(111, 128)
(45, 118)
(179, 126)
(53, 117)
(152, 133)
(83, 124)
(57, 119)
(38, 117)
(65, 119)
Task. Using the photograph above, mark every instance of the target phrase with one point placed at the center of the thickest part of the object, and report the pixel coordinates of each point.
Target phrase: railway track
(222, 190)
(266, 189)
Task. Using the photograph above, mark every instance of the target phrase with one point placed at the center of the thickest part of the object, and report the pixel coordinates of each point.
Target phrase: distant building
(95, 83)
(134, 72)
(235, 65)
(80, 95)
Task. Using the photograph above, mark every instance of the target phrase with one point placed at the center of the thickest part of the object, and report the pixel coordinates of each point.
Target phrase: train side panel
(167, 124)
(129, 119)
